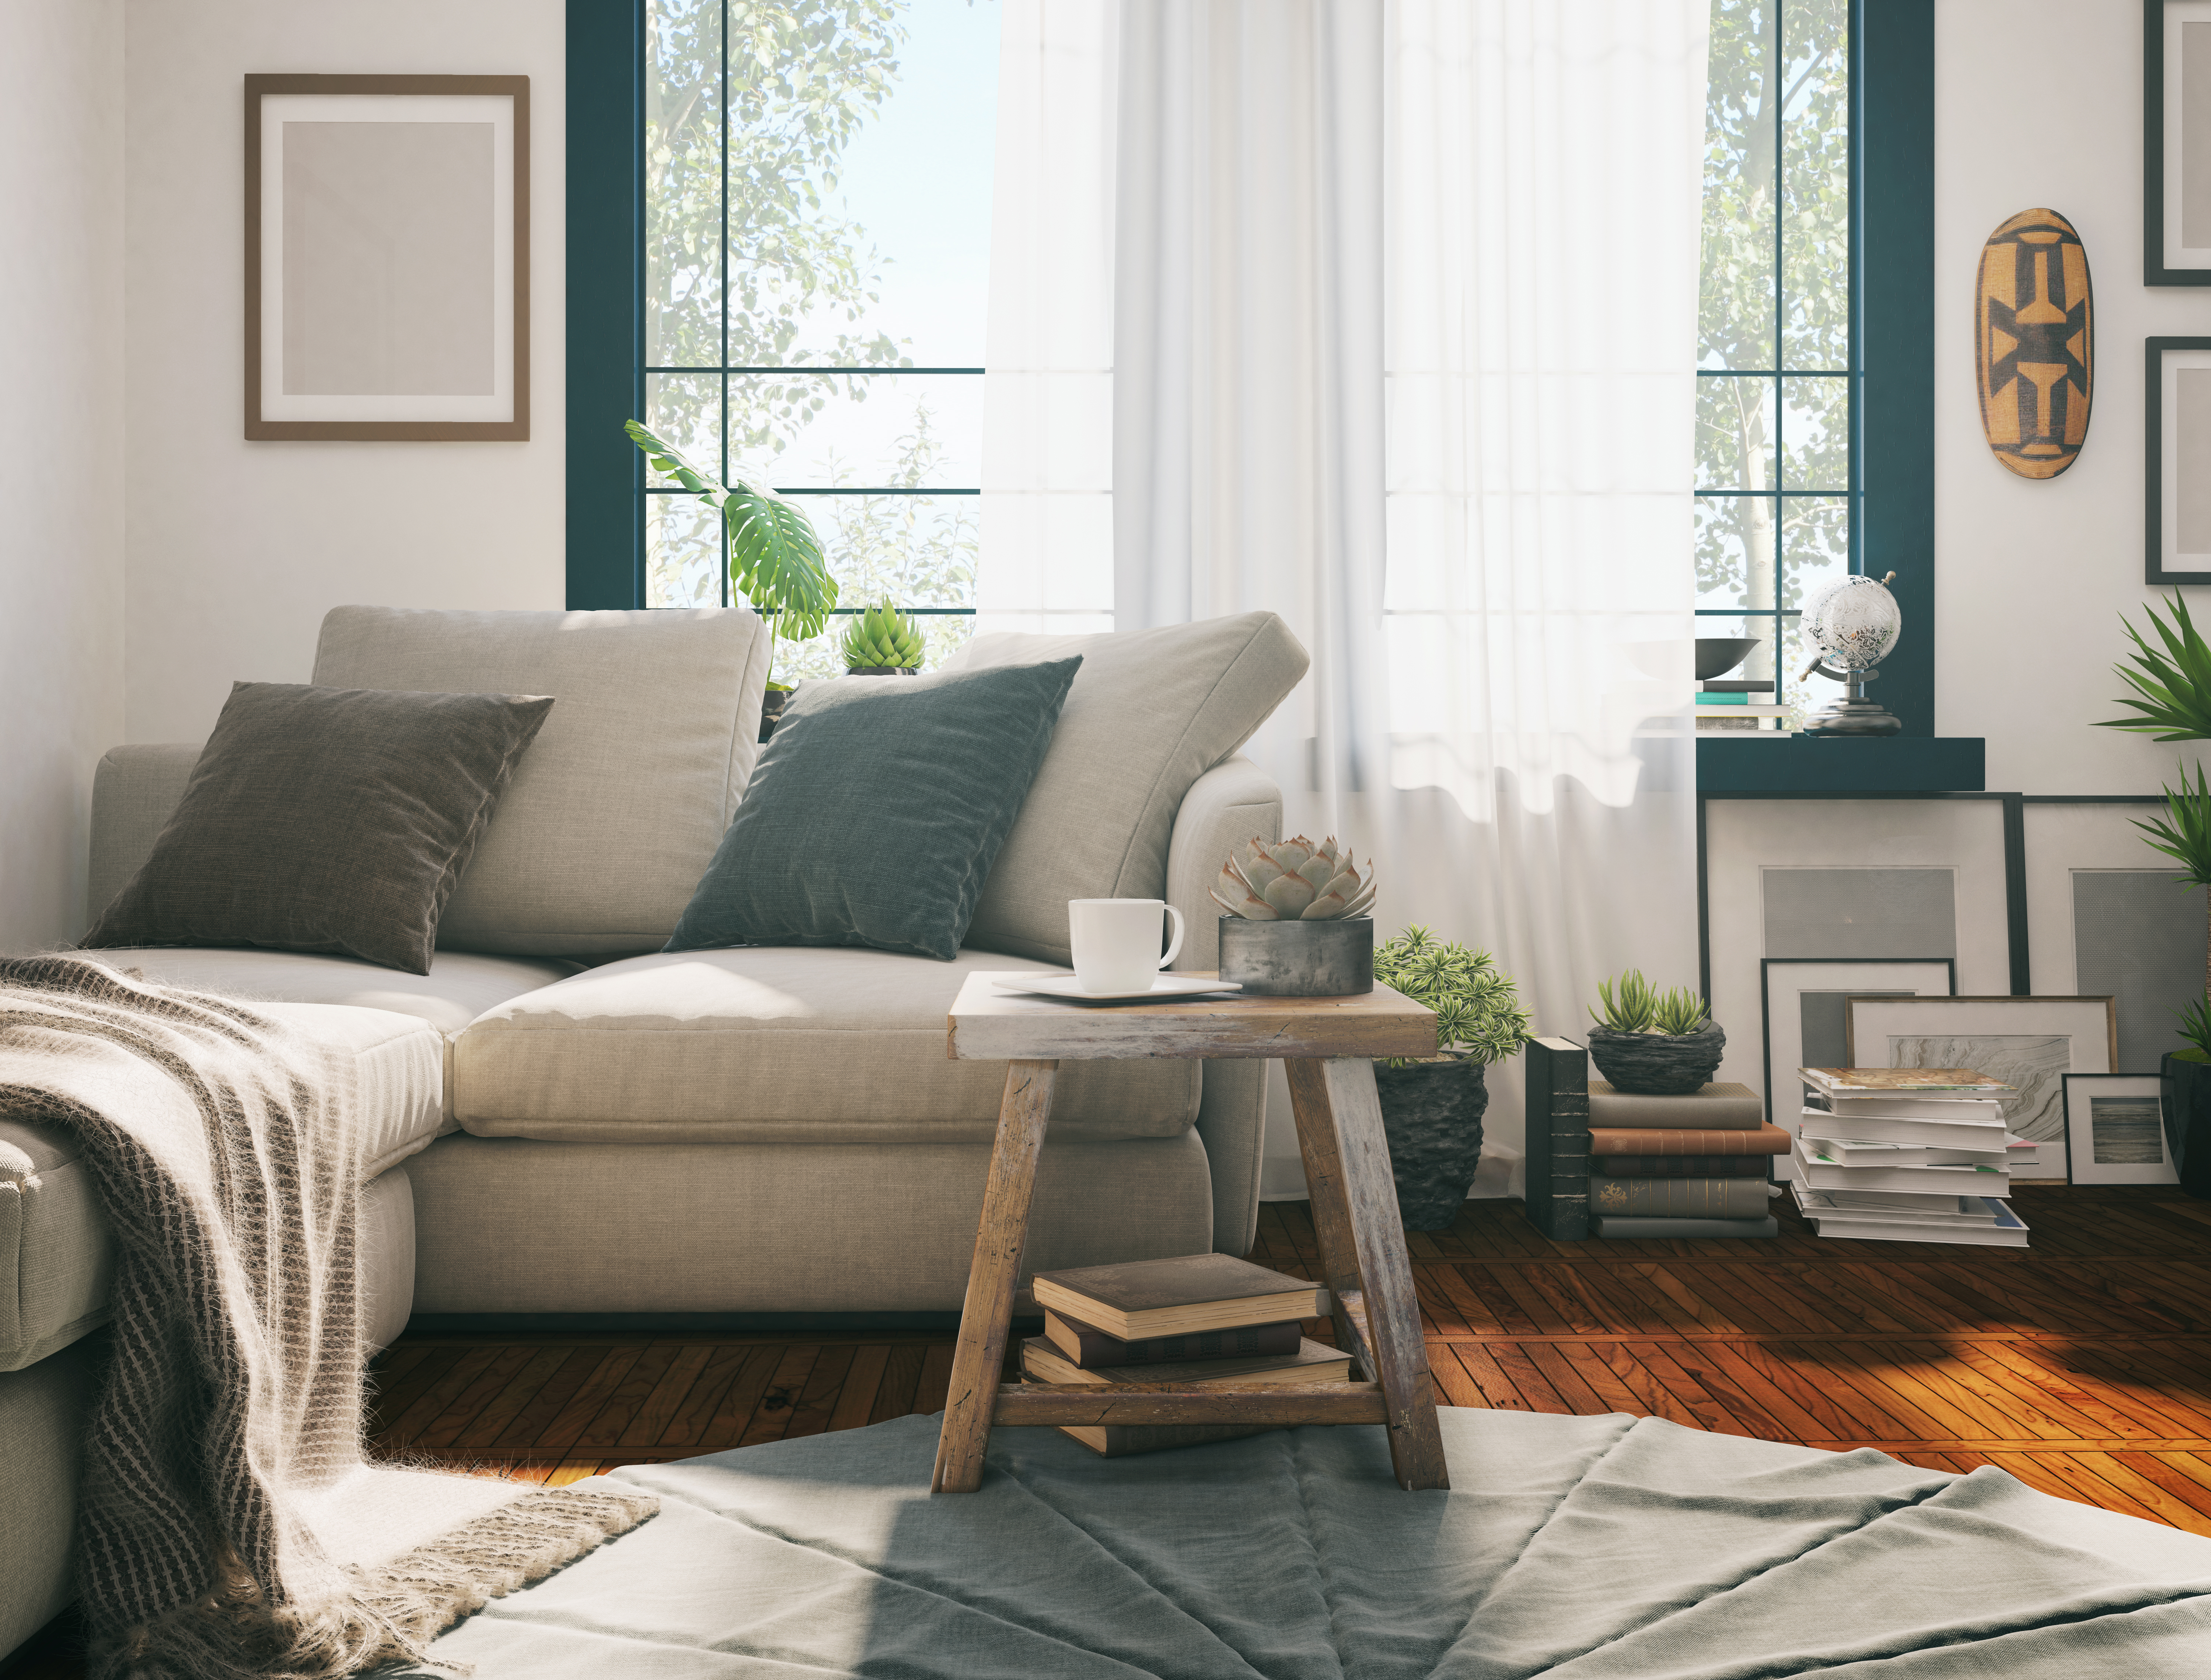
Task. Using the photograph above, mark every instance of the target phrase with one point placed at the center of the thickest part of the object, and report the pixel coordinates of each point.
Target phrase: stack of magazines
(1906, 1154)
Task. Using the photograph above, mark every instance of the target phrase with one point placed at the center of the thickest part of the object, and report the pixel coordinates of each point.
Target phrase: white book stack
(1906, 1154)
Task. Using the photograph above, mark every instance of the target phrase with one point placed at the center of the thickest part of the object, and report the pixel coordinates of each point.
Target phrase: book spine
(1646, 1140)
(1619, 1227)
(1558, 1139)
(1245, 1342)
(1676, 1113)
(1682, 1166)
(1680, 1199)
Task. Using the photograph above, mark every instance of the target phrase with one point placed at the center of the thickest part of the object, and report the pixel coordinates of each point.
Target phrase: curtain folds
(1400, 307)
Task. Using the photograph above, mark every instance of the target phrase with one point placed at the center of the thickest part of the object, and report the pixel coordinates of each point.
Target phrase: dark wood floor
(2081, 1365)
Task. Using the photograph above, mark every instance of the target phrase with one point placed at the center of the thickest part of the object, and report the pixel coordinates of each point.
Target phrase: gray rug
(1580, 1548)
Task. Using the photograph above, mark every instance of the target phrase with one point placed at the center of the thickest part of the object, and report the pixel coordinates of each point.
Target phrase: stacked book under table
(1680, 1166)
(1202, 1320)
(1906, 1154)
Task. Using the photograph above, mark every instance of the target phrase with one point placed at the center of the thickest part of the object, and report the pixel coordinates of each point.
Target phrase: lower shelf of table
(1060, 1405)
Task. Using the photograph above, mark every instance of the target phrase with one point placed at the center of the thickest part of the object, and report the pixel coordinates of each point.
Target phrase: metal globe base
(1853, 714)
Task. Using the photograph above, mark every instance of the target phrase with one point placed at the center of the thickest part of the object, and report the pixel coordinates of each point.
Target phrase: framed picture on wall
(2029, 1043)
(387, 256)
(2177, 142)
(2176, 461)
(2114, 1129)
(1803, 1017)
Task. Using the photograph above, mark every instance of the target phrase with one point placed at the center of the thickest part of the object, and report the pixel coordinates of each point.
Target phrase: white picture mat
(2183, 460)
(1785, 986)
(1744, 837)
(2084, 1023)
(278, 109)
(2060, 840)
(2081, 1166)
(2179, 15)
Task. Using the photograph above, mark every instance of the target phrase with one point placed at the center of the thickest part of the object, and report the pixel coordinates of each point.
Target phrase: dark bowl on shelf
(1718, 655)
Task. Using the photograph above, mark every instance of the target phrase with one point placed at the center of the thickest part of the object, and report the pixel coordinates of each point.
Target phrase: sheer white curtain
(1402, 348)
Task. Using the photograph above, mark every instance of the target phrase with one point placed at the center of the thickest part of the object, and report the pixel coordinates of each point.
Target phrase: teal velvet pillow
(876, 810)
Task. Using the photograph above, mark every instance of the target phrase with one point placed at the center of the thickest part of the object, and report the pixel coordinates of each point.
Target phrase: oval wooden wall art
(2034, 343)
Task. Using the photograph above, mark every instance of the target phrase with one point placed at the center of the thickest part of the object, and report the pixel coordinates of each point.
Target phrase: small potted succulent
(883, 642)
(1296, 926)
(1654, 1043)
(1431, 1107)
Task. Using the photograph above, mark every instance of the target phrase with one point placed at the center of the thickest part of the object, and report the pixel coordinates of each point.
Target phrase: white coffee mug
(1117, 942)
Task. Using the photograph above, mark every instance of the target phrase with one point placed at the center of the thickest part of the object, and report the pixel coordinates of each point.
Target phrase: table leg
(1362, 1245)
(978, 1360)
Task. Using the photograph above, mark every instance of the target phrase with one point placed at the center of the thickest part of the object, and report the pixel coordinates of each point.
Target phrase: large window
(1778, 477)
(816, 206)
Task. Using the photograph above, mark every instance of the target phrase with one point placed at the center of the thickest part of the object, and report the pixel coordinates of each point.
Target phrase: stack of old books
(1906, 1154)
(1680, 1166)
(1201, 1321)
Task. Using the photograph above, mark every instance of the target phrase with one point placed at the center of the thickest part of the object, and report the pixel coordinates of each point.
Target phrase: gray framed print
(2029, 1043)
(387, 257)
(2177, 460)
(1803, 1022)
(2114, 1129)
(2177, 142)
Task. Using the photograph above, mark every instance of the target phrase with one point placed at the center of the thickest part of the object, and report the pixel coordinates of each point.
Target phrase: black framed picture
(2177, 457)
(2177, 142)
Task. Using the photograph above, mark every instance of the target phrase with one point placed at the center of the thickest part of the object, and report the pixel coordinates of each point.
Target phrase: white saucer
(1166, 986)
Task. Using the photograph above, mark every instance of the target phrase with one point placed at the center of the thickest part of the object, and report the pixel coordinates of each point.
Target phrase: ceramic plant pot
(2187, 1121)
(1657, 1063)
(1432, 1113)
(1298, 959)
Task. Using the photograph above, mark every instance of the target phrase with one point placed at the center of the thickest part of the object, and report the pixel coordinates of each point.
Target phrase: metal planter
(1298, 959)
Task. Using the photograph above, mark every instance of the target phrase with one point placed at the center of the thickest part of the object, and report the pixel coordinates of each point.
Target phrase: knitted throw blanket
(228, 1524)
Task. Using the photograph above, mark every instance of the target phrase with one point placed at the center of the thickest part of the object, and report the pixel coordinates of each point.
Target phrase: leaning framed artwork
(387, 257)
(2114, 1129)
(1803, 1017)
(2177, 142)
(2177, 460)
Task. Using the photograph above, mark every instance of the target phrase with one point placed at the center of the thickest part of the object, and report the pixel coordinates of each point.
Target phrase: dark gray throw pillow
(326, 820)
(877, 811)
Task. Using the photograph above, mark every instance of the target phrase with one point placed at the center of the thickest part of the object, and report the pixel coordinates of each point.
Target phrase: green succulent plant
(1633, 1005)
(883, 639)
(775, 555)
(1476, 1004)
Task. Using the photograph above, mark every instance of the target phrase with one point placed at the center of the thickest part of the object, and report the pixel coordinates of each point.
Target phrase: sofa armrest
(134, 792)
(1226, 806)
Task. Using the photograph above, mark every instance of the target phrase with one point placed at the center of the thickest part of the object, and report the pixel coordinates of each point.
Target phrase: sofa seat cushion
(57, 1257)
(775, 1044)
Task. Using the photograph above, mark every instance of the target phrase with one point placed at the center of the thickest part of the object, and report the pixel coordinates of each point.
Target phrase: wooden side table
(1329, 1045)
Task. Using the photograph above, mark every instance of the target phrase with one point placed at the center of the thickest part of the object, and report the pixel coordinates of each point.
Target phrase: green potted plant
(775, 556)
(2171, 697)
(1431, 1107)
(1654, 1043)
(883, 642)
(1296, 926)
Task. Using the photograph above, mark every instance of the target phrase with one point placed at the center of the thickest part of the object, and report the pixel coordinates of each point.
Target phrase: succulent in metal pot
(883, 639)
(1293, 879)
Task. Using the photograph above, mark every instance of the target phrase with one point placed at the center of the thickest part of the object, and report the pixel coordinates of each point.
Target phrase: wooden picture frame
(2176, 143)
(2130, 1147)
(387, 257)
(2176, 421)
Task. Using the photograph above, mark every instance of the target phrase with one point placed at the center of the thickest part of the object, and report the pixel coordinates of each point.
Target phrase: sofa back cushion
(616, 811)
(1149, 713)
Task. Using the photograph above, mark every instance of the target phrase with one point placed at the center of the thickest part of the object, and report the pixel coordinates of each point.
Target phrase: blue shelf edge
(1820, 764)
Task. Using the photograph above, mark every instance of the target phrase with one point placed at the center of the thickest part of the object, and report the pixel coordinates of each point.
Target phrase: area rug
(1581, 1548)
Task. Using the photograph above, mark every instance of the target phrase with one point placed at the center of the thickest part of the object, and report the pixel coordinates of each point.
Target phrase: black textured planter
(772, 704)
(1433, 1112)
(1298, 959)
(2188, 1122)
(1657, 1063)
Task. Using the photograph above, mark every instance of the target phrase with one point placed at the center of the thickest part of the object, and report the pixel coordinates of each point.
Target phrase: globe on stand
(1855, 624)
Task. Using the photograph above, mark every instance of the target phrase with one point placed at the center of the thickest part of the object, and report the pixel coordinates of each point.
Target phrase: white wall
(2031, 578)
(61, 457)
(236, 549)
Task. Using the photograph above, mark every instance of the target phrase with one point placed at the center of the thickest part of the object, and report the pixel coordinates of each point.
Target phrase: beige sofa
(594, 1130)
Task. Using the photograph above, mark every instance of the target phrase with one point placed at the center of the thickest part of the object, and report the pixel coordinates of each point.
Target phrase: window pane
(827, 429)
(683, 553)
(1737, 308)
(860, 181)
(1816, 546)
(1816, 184)
(684, 411)
(915, 551)
(1816, 434)
(1804, 694)
(683, 182)
(1734, 435)
(1734, 551)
